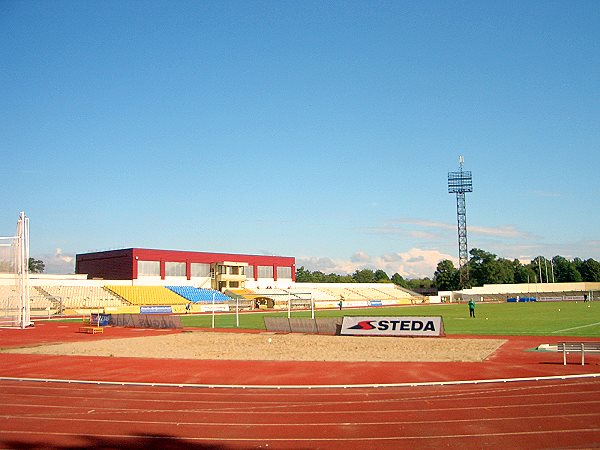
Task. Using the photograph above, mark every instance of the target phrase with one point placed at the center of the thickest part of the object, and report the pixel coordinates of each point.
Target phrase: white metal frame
(20, 242)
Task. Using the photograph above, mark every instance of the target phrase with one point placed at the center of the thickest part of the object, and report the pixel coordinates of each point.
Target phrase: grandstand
(327, 295)
(147, 295)
(79, 297)
(55, 295)
(75, 294)
(42, 303)
(199, 295)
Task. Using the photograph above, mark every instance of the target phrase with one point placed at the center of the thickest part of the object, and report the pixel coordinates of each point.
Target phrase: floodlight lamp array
(459, 182)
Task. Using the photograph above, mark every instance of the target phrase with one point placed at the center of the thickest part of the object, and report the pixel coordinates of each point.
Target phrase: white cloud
(506, 231)
(429, 230)
(58, 255)
(58, 262)
(359, 256)
(540, 193)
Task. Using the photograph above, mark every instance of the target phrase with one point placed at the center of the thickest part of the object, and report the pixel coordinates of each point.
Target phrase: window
(175, 269)
(200, 270)
(250, 273)
(265, 271)
(149, 268)
(284, 272)
(236, 270)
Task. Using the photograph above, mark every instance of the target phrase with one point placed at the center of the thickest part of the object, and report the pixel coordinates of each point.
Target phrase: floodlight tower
(460, 183)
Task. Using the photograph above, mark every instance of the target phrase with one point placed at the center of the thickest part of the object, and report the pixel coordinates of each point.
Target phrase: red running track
(557, 413)
(532, 415)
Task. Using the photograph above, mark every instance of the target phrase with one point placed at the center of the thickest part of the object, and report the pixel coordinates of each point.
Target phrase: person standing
(471, 308)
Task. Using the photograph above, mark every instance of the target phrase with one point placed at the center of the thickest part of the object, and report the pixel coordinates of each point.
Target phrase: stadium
(123, 280)
(200, 358)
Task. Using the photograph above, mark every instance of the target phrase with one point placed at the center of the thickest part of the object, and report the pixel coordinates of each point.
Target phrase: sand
(204, 345)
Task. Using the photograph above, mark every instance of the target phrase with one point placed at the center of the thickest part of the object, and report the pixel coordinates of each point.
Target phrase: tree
(486, 268)
(505, 273)
(303, 275)
(381, 276)
(306, 276)
(523, 274)
(36, 265)
(399, 281)
(446, 276)
(364, 276)
(419, 283)
(590, 270)
(565, 271)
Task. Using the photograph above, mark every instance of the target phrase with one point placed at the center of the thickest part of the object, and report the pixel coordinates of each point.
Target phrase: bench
(91, 330)
(578, 347)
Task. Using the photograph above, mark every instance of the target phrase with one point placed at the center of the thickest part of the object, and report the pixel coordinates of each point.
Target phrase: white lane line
(54, 409)
(577, 328)
(228, 405)
(105, 436)
(304, 386)
(302, 424)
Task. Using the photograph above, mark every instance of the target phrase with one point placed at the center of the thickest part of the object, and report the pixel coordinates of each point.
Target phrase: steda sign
(392, 326)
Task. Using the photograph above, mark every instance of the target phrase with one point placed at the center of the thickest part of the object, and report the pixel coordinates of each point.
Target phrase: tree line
(483, 267)
(362, 276)
(487, 268)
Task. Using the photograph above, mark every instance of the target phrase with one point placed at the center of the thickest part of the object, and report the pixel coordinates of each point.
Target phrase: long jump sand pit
(203, 345)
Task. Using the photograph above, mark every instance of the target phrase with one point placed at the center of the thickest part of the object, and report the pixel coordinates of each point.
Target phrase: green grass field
(540, 319)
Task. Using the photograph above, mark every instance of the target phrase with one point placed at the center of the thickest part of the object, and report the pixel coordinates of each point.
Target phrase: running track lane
(533, 415)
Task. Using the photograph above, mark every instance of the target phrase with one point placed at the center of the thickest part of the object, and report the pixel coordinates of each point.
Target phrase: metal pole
(289, 306)
(312, 307)
(237, 312)
(213, 310)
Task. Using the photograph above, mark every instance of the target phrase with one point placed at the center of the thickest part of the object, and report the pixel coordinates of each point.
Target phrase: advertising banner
(392, 326)
(155, 310)
(159, 321)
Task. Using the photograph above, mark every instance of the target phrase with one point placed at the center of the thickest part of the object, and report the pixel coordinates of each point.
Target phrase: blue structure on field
(521, 299)
(198, 295)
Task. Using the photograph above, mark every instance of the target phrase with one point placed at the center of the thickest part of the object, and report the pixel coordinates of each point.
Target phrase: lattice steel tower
(460, 183)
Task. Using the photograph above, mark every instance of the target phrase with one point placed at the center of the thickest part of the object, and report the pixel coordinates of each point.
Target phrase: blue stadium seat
(198, 295)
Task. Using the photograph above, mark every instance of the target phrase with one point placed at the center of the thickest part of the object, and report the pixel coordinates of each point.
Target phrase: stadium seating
(302, 295)
(7, 291)
(348, 294)
(198, 295)
(148, 295)
(243, 293)
(79, 297)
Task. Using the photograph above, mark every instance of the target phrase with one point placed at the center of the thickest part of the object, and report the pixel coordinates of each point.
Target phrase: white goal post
(286, 301)
(14, 270)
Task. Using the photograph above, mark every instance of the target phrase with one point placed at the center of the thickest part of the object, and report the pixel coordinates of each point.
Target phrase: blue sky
(317, 129)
